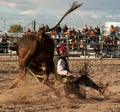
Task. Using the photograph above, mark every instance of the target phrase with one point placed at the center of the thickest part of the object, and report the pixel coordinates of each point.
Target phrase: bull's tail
(74, 6)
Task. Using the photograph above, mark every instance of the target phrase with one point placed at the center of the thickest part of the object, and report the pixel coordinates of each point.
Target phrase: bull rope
(34, 75)
(57, 93)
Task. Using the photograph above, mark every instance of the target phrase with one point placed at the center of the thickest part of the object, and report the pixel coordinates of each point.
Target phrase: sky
(24, 12)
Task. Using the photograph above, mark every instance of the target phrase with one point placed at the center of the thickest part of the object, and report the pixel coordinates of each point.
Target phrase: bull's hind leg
(22, 74)
(26, 49)
(24, 59)
(45, 76)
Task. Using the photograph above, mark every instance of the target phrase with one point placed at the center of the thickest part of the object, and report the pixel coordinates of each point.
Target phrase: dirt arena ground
(31, 96)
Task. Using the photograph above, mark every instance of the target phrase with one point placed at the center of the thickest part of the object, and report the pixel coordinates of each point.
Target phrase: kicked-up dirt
(31, 96)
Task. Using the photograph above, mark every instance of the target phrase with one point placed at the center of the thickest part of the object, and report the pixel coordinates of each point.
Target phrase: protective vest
(59, 76)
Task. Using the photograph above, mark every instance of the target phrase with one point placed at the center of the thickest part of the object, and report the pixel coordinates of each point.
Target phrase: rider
(72, 83)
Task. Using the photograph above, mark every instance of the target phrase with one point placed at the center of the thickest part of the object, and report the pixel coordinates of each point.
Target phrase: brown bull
(36, 51)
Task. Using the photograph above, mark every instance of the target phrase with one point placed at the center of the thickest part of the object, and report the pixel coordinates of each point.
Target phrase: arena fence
(91, 49)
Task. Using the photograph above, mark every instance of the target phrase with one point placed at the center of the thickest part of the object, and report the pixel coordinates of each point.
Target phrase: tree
(15, 28)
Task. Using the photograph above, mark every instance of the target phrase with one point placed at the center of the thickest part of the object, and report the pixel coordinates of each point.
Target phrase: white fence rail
(76, 49)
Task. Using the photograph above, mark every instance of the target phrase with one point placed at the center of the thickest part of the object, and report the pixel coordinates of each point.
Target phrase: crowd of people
(78, 39)
(89, 34)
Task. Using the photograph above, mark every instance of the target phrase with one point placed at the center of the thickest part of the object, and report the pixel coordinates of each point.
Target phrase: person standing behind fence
(82, 46)
(91, 35)
(4, 44)
(74, 43)
(85, 29)
(97, 33)
(58, 30)
(112, 30)
(98, 30)
(85, 33)
(65, 28)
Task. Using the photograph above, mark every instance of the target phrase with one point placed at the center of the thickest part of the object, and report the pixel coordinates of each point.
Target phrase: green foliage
(15, 28)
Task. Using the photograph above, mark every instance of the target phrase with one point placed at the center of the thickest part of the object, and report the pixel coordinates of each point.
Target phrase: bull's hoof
(52, 81)
(11, 86)
(54, 96)
(47, 82)
(44, 81)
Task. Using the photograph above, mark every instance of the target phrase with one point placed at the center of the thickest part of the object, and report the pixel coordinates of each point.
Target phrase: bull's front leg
(45, 76)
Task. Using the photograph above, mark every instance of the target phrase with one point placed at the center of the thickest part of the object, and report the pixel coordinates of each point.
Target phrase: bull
(36, 52)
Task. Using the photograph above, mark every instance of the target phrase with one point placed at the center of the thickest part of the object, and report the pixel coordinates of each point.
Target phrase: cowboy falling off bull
(36, 51)
(72, 82)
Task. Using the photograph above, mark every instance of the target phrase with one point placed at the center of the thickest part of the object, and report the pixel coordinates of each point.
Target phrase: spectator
(98, 30)
(97, 33)
(58, 30)
(82, 46)
(91, 32)
(4, 44)
(41, 28)
(46, 27)
(112, 30)
(114, 40)
(85, 29)
(91, 35)
(74, 43)
(28, 31)
(65, 28)
(85, 33)
(69, 31)
(79, 34)
(73, 32)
